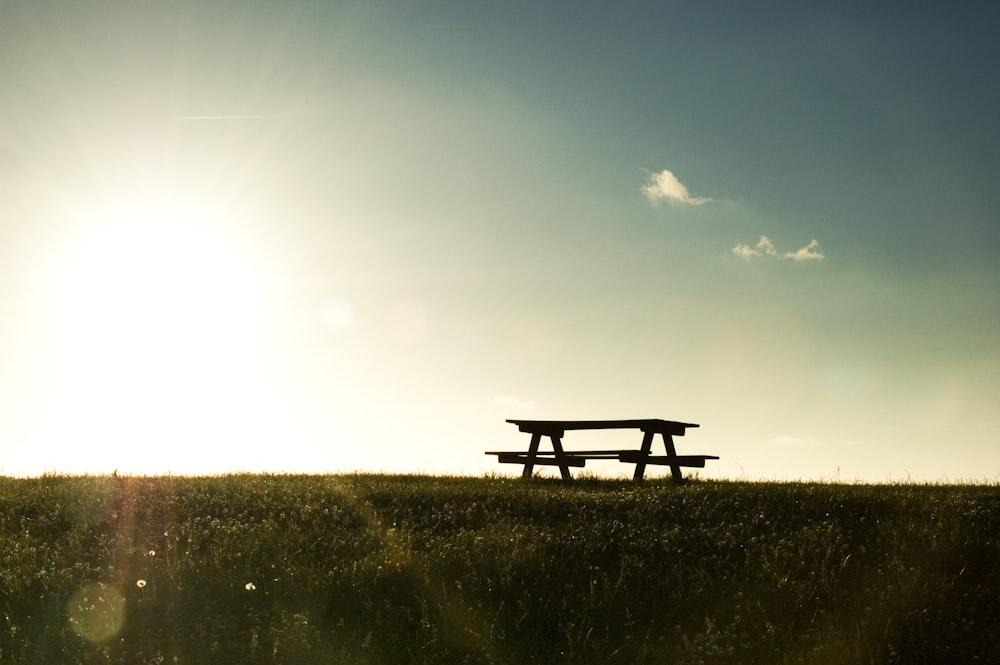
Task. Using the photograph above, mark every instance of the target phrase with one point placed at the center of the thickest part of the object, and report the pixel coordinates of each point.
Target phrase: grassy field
(411, 569)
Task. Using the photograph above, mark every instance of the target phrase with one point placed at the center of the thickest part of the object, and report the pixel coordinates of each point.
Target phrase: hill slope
(398, 569)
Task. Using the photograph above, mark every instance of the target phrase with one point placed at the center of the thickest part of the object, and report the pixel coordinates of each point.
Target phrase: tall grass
(408, 569)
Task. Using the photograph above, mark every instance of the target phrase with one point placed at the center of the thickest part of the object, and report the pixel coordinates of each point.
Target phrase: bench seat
(663, 460)
(586, 454)
(579, 457)
(543, 459)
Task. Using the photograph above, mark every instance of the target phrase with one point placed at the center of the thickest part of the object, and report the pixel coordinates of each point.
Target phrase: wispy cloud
(225, 117)
(766, 248)
(664, 186)
(513, 402)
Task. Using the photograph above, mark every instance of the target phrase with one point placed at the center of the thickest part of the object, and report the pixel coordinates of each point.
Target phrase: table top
(653, 424)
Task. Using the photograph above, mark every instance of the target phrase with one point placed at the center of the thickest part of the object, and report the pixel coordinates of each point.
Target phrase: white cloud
(765, 247)
(664, 186)
(513, 402)
(810, 252)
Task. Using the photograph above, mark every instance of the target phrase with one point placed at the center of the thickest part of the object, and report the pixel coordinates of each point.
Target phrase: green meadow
(420, 569)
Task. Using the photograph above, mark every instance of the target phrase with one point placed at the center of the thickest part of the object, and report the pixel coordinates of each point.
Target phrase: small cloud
(765, 247)
(513, 402)
(810, 252)
(664, 186)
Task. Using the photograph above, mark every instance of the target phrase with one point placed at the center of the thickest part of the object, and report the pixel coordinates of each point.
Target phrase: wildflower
(152, 552)
(140, 583)
(250, 586)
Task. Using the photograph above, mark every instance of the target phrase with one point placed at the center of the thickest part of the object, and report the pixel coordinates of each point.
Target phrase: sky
(358, 236)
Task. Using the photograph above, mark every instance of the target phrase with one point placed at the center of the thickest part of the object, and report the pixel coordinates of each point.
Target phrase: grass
(416, 569)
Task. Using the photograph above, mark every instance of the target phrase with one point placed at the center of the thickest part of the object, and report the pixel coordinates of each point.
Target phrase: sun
(156, 324)
(155, 288)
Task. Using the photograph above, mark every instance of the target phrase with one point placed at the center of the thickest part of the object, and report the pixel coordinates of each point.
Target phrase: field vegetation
(418, 569)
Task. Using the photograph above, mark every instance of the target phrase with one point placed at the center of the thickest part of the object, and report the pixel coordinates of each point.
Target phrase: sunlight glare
(337, 313)
(157, 321)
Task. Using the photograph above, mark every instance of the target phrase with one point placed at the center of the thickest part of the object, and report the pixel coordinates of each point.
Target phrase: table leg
(675, 469)
(529, 465)
(557, 447)
(647, 445)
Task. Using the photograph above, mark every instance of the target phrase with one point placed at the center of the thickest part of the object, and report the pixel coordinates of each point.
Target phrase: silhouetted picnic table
(641, 457)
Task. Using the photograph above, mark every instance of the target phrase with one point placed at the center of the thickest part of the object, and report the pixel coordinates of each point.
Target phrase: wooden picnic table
(641, 457)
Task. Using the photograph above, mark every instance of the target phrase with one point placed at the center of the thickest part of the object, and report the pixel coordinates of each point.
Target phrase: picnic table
(641, 457)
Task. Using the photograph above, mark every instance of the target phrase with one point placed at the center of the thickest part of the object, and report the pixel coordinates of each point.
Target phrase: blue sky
(329, 236)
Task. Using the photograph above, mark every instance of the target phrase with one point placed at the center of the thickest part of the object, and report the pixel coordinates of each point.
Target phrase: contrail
(225, 117)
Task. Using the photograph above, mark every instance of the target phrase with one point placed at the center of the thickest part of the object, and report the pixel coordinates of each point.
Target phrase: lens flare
(96, 612)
